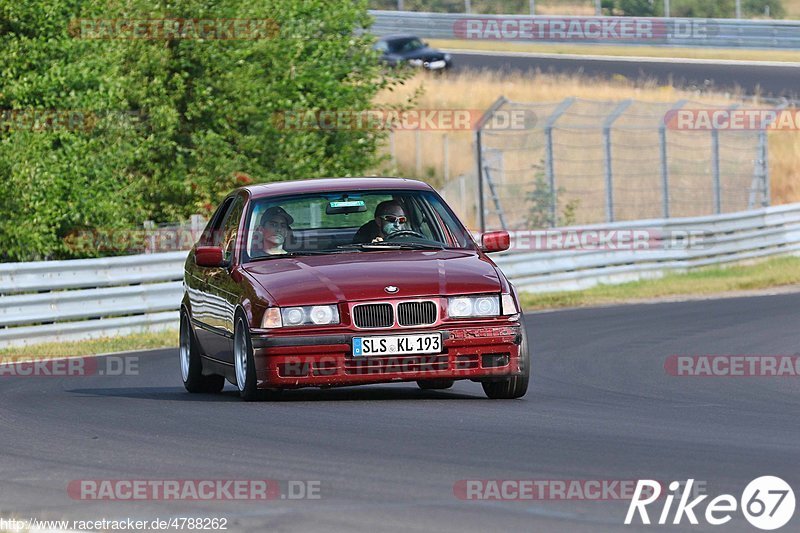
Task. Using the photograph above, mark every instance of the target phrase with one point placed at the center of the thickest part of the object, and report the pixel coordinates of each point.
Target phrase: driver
(389, 218)
(276, 227)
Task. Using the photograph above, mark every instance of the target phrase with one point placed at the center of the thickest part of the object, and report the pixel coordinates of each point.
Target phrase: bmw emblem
(391, 289)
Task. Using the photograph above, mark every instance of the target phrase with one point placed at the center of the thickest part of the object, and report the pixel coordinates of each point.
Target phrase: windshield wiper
(387, 245)
(287, 254)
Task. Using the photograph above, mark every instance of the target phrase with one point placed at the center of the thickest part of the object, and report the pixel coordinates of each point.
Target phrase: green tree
(175, 124)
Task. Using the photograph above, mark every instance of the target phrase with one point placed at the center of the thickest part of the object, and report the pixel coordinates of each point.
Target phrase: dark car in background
(399, 49)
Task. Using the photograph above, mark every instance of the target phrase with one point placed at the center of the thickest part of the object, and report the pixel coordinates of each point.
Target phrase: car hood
(309, 280)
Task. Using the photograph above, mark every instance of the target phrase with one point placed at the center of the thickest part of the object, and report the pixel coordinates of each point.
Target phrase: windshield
(353, 221)
(406, 45)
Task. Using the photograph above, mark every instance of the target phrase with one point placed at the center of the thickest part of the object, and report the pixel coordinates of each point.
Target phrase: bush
(174, 124)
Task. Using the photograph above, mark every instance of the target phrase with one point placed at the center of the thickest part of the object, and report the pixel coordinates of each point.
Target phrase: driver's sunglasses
(393, 218)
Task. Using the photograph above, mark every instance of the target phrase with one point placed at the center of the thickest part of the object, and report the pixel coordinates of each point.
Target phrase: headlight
(467, 306)
(314, 314)
(448, 57)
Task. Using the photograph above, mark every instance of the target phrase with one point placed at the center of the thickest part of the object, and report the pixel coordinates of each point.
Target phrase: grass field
(138, 341)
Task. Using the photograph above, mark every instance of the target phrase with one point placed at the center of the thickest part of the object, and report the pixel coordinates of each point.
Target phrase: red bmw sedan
(347, 281)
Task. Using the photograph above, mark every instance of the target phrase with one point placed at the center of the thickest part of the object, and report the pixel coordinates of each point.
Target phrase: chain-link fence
(581, 161)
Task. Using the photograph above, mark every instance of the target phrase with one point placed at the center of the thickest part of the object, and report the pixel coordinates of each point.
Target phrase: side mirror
(209, 256)
(495, 241)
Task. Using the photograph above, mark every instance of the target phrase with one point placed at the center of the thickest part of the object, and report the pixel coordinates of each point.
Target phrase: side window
(418, 219)
(461, 238)
(230, 228)
(210, 233)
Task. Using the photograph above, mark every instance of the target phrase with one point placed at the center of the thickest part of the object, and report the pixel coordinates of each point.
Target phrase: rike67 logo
(767, 503)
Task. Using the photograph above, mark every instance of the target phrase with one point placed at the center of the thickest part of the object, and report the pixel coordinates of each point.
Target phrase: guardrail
(88, 298)
(57, 301)
(674, 245)
(610, 30)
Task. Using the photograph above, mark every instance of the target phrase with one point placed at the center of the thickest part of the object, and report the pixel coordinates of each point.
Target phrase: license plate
(397, 345)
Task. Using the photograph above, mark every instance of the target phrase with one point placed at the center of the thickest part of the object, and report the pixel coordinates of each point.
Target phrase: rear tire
(515, 386)
(435, 384)
(192, 364)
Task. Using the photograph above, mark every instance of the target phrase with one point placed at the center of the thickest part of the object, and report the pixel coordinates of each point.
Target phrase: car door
(222, 292)
(196, 278)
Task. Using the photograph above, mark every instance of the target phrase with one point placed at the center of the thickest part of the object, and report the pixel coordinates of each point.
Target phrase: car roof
(398, 36)
(282, 188)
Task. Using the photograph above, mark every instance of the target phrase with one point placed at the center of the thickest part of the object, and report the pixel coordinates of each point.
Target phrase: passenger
(276, 227)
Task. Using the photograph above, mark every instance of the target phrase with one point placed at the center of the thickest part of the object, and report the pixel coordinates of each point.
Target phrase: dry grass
(784, 158)
(792, 9)
(565, 7)
(105, 345)
(479, 91)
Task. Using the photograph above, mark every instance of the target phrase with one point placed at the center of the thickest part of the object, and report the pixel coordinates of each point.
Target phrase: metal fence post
(446, 157)
(763, 154)
(197, 225)
(549, 161)
(607, 143)
(662, 139)
(715, 170)
(392, 149)
(715, 166)
(479, 154)
(467, 6)
(481, 207)
(418, 152)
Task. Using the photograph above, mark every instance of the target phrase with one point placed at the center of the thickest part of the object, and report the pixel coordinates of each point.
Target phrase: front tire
(192, 365)
(244, 361)
(515, 386)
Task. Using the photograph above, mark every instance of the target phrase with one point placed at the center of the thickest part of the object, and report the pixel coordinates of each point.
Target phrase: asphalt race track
(601, 407)
(768, 80)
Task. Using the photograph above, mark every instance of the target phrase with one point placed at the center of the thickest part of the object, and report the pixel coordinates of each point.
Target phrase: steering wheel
(404, 233)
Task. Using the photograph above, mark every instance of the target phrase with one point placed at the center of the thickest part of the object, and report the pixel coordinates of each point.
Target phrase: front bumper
(469, 352)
